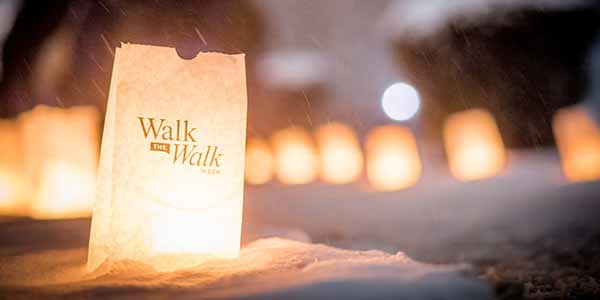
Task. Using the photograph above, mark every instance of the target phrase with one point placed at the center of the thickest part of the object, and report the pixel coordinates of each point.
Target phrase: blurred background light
(65, 191)
(7, 192)
(60, 147)
(473, 145)
(295, 156)
(578, 140)
(339, 149)
(259, 161)
(294, 69)
(400, 101)
(393, 160)
(12, 181)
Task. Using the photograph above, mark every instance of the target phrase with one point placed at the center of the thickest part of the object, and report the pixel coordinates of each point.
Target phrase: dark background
(522, 66)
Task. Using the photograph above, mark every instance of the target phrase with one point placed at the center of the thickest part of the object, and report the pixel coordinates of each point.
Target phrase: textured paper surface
(152, 205)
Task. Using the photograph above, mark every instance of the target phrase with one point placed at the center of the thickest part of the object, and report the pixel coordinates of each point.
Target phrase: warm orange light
(578, 140)
(8, 192)
(473, 145)
(65, 191)
(259, 161)
(341, 157)
(392, 158)
(60, 150)
(295, 156)
(177, 213)
(12, 185)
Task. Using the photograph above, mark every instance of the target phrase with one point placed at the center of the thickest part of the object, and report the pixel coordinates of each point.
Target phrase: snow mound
(271, 268)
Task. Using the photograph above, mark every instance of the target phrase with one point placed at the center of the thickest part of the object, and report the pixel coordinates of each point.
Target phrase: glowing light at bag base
(473, 144)
(172, 229)
(578, 140)
(393, 161)
(341, 157)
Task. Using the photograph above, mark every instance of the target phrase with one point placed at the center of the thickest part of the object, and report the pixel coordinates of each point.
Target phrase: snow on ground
(528, 201)
(46, 259)
(526, 231)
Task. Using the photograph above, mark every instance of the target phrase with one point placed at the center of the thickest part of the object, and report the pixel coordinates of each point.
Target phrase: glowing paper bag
(578, 140)
(296, 158)
(60, 149)
(12, 188)
(341, 157)
(171, 172)
(393, 161)
(259, 161)
(474, 145)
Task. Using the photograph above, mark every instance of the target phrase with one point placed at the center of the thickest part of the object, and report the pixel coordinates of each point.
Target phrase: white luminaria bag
(170, 178)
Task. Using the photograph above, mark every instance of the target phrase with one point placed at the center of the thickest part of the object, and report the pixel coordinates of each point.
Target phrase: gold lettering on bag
(182, 137)
(163, 147)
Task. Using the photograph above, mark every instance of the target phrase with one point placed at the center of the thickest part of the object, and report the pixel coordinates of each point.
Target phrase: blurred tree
(521, 66)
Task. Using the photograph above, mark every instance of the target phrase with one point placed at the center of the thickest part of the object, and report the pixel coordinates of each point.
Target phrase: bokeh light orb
(400, 101)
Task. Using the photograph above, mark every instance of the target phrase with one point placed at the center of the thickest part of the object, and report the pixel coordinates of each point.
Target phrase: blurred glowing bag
(12, 182)
(60, 150)
(170, 178)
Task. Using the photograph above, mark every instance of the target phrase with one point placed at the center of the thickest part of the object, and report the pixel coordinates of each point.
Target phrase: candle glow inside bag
(170, 180)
